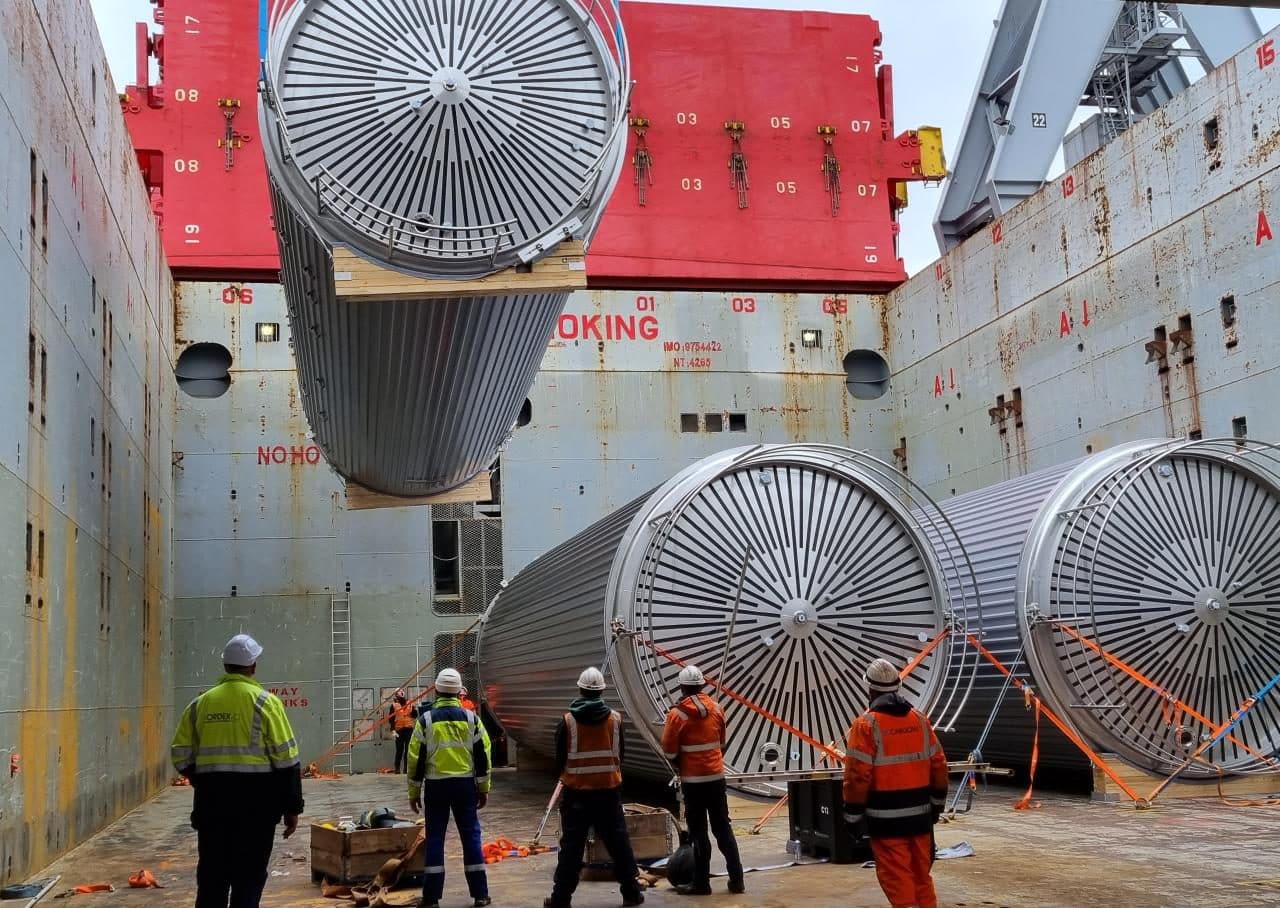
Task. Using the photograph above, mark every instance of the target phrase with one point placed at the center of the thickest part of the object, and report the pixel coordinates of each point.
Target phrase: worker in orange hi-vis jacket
(895, 788)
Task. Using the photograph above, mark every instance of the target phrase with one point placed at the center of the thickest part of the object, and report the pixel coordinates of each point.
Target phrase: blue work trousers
(440, 796)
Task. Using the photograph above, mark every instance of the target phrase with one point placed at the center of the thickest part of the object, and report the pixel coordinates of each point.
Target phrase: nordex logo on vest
(220, 717)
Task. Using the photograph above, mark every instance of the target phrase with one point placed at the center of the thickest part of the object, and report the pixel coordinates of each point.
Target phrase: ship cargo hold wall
(780, 570)
(86, 690)
(636, 386)
(265, 544)
(1131, 298)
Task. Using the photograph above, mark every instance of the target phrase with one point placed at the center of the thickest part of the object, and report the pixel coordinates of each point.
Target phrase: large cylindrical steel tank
(441, 140)
(1159, 557)
(801, 562)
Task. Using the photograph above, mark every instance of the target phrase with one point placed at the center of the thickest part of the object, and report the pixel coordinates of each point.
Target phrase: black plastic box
(817, 822)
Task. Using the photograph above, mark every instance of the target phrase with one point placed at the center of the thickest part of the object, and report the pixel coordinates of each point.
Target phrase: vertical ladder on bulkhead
(340, 653)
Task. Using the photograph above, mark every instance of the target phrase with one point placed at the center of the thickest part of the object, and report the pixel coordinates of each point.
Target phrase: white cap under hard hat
(691, 675)
(448, 681)
(591, 679)
(882, 677)
(241, 651)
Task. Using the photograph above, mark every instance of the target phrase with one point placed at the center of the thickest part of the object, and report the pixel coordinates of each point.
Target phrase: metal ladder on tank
(340, 654)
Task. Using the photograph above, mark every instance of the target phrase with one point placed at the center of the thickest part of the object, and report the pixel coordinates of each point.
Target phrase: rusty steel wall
(629, 380)
(1132, 297)
(264, 543)
(87, 407)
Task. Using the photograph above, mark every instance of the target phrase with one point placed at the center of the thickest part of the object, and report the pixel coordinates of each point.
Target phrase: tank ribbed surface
(447, 137)
(414, 396)
(804, 561)
(1149, 568)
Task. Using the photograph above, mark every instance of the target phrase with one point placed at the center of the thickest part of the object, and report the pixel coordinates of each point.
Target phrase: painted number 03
(691, 184)
(743, 304)
(687, 118)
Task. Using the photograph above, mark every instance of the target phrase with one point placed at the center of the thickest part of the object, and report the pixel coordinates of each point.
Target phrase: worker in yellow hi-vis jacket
(235, 744)
(450, 751)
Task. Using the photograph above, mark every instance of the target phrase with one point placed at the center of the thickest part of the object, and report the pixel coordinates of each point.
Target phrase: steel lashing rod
(1062, 726)
(976, 756)
(1220, 733)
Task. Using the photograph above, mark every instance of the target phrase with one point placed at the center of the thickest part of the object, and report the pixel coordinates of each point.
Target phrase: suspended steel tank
(440, 140)
(1139, 589)
(780, 570)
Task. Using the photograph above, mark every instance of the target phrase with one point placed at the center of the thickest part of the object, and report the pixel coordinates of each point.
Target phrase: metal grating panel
(462, 657)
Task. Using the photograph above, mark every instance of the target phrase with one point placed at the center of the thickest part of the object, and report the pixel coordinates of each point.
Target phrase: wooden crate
(1143, 782)
(651, 838)
(357, 856)
(356, 280)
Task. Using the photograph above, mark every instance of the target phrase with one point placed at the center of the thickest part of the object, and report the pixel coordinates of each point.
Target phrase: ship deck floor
(1070, 852)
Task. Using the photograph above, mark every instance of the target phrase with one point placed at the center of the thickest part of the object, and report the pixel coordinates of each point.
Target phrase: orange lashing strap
(924, 653)
(1058, 723)
(759, 710)
(1025, 802)
(1170, 702)
(144, 879)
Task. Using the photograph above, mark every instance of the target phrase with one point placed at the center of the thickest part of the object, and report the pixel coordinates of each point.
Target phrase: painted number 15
(1266, 53)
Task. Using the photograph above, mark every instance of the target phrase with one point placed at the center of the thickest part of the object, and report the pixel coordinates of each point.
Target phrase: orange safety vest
(594, 754)
(403, 718)
(694, 738)
(895, 774)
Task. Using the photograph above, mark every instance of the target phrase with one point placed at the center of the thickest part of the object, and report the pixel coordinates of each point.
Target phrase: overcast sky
(936, 47)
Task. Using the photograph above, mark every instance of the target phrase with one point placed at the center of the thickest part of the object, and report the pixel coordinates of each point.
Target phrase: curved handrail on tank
(603, 15)
(420, 236)
(1096, 510)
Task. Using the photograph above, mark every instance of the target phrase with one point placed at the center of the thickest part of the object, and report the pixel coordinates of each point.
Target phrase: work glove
(290, 825)
(482, 799)
(415, 803)
(855, 823)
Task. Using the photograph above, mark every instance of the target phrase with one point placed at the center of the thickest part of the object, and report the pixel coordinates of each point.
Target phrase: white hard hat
(882, 676)
(591, 679)
(448, 681)
(691, 675)
(241, 651)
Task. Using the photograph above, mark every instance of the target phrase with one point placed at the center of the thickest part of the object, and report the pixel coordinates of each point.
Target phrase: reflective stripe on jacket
(694, 737)
(895, 773)
(403, 717)
(235, 726)
(448, 742)
(594, 755)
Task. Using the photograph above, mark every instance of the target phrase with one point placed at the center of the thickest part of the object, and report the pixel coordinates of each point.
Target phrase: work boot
(695, 889)
(552, 903)
(482, 902)
(737, 885)
(629, 900)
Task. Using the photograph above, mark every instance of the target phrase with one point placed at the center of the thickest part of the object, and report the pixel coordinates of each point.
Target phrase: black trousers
(402, 749)
(581, 811)
(706, 804)
(234, 855)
